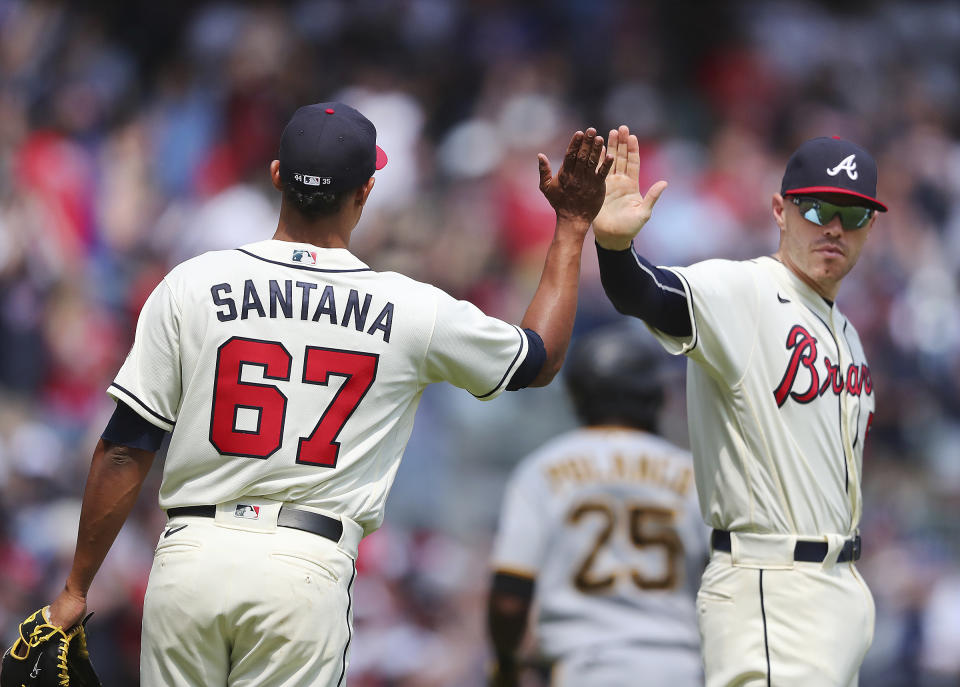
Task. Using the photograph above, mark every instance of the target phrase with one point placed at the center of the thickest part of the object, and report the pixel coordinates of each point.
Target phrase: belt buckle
(855, 554)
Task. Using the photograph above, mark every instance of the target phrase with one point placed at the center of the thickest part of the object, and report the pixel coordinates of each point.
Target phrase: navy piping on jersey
(766, 643)
(300, 267)
(343, 671)
(509, 367)
(143, 405)
(846, 468)
(693, 309)
(856, 434)
(532, 363)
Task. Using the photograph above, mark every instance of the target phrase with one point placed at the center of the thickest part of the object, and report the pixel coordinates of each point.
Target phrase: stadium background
(134, 135)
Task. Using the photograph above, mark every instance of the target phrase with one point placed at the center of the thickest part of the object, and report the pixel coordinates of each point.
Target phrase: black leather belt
(315, 523)
(806, 551)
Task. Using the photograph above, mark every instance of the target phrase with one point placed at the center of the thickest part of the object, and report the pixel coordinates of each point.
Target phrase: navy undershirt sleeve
(638, 288)
(512, 585)
(531, 365)
(127, 428)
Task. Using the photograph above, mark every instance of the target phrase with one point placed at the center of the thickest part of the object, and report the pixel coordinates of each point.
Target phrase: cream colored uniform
(606, 521)
(288, 374)
(780, 399)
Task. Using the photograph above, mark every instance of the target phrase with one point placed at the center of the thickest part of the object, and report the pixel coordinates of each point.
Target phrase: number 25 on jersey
(649, 527)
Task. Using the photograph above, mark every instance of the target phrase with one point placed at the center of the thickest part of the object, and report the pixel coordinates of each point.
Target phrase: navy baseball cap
(832, 165)
(329, 147)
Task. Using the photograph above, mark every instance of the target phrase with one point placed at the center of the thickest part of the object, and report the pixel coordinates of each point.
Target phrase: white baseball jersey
(293, 372)
(606, 521)
(779, 399)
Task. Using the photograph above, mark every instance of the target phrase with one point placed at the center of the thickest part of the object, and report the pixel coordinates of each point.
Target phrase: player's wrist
(615, 243)
(574, 220)
(75, 590)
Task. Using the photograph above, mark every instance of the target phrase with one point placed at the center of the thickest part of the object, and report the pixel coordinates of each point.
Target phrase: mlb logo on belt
(307, 257)
(247, 512)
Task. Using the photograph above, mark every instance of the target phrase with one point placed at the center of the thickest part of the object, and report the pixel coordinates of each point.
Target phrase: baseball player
(287, 373)
(780, 399)
(601, 532)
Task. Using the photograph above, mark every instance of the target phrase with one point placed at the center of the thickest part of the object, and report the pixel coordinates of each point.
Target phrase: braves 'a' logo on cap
(848, 165)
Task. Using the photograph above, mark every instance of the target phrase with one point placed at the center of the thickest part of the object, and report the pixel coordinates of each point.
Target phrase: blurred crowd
(136, 135)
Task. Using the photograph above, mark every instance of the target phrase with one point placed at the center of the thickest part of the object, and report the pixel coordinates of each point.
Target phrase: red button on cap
(329, 110)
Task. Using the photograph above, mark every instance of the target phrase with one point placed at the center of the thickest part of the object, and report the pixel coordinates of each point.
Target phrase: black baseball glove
(48, 656)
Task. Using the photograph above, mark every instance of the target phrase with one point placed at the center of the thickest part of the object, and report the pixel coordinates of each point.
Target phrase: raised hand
(577, 191)
(625, 210)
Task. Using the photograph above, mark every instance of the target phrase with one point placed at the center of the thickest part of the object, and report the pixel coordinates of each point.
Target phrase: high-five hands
(625, 210)
(577, 191)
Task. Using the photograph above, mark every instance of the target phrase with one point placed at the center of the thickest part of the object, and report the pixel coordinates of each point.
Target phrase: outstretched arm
(635, 286)
(576, 193)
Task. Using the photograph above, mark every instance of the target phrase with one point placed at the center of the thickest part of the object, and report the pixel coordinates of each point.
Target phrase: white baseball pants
(238, 603)
(780, 623)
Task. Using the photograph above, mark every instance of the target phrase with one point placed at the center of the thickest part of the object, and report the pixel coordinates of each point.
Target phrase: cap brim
(874, 203)
(381, 158)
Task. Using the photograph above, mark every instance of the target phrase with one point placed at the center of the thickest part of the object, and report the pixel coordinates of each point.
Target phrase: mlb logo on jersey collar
(304, 257)
(247, 512)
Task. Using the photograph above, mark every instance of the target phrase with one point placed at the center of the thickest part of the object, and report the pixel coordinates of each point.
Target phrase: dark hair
(316, 204)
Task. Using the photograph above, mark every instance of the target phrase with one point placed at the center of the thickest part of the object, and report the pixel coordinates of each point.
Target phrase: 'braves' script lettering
(804, 354)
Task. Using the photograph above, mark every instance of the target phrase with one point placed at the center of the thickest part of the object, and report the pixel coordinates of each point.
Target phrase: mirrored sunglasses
(821, 212)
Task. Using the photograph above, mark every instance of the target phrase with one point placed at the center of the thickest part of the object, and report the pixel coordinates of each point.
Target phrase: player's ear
(275, 175)
(779, 210)
(364, 191)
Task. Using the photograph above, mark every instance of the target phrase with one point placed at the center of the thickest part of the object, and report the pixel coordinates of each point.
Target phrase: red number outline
(359, 374)
(359, 370)
(234, 404)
